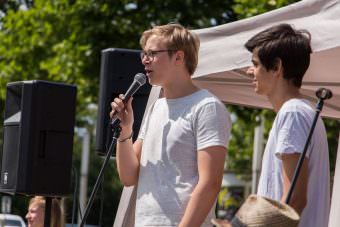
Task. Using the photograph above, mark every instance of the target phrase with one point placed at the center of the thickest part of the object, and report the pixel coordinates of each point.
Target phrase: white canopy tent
(223, 61)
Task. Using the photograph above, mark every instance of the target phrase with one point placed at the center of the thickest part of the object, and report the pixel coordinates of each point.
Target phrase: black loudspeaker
(118, 69)
(38, 138)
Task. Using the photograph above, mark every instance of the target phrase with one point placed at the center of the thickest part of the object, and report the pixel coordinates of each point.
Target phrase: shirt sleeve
(212, 125)
(293, 130)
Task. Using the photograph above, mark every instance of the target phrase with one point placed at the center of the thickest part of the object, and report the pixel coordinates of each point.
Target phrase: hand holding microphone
(122, 112)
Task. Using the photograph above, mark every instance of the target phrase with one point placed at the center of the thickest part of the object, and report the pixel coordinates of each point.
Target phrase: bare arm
(128, 154)
(128, 157)
(299, 196)
(210, 170)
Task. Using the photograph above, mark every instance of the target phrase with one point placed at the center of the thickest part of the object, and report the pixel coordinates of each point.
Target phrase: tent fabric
(223, 59)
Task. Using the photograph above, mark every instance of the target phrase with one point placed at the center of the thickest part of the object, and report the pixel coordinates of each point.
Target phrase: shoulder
(205, 98)
(296, 107)
(210, 106)
(295, 112)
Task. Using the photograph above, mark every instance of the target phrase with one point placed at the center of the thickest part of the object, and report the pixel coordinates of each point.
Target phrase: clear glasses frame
(150, 54)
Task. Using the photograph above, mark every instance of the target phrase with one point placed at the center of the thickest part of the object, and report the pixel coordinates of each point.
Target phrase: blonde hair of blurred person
(36, 212)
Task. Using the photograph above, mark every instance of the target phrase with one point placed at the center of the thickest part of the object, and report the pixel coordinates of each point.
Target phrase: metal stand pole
(322, 94)
(116, 133)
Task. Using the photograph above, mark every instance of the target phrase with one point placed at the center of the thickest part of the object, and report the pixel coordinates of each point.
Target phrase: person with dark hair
(36, 213)
(281, 56)
(178, 159)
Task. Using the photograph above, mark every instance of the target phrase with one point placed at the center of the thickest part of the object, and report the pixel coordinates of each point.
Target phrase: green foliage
(249, 8)
(225, 199)
(62, 41)
(333, 130)
(242, 134)
(8, 4)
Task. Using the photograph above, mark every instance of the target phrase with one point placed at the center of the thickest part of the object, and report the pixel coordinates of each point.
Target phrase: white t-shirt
(174, 131)
(288, 135)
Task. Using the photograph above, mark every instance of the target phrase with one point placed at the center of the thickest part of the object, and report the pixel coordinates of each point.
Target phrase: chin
(154, 83)
(259, 92)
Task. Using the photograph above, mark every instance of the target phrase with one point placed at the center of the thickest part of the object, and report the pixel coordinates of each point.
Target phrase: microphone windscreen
(140, 78)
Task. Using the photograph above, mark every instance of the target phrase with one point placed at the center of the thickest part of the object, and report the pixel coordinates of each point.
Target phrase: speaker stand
(116, 132)
(48, 208)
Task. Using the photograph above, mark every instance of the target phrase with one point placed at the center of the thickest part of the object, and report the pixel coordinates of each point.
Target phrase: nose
(250, 71)
(146, 60)
(27, 215)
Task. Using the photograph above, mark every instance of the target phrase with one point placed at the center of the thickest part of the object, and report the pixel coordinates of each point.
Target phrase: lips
(148, 71)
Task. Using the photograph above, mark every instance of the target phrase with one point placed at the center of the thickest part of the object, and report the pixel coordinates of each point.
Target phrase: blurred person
(280, 57)
(178, 159)
(36, 212)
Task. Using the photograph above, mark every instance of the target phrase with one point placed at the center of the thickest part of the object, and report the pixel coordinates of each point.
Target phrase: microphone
(324, 93)
(138, 81)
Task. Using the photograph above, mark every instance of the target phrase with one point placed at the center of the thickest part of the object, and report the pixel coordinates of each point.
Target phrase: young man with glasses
(178, 159)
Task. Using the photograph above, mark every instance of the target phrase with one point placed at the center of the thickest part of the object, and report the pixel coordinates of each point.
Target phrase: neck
(180, 86)
(282, 94)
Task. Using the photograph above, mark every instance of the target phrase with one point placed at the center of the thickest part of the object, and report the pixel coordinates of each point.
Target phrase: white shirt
(288, 135)
(175, 130)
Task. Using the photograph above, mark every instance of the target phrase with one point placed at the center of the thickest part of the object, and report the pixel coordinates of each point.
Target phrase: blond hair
(57, 212)
(176, 37)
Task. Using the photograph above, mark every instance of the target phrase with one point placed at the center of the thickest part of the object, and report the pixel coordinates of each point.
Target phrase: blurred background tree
(61, 41)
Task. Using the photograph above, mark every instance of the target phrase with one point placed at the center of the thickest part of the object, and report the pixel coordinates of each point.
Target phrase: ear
(179, 56)
(278, 68)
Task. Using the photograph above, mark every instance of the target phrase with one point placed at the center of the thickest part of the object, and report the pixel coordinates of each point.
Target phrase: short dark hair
(283, 42)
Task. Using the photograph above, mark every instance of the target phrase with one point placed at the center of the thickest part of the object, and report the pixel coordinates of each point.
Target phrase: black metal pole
(302, 157)
(322, 94)
(116, 134)
(48, 208)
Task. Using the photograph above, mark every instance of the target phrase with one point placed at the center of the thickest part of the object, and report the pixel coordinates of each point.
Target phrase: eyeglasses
(150, 54)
